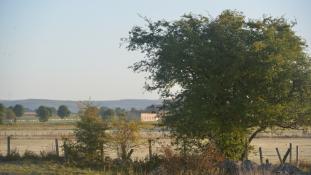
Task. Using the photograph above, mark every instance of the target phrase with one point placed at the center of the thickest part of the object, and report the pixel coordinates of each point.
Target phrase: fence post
(290, 153)
(102, 153)
(65, 150)
(56, 147)
(286, 154)
(150, 148)
(297, 152)
(279, 155)
(260, 156)
(9, 146)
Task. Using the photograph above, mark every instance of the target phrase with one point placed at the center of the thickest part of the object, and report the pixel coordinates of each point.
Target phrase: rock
(287, 169)
(248, 165)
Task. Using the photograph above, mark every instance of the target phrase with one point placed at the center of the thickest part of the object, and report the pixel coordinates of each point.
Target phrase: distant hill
(33, 104)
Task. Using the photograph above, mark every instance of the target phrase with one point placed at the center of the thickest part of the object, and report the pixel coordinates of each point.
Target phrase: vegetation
(2, 113)
(18, 110)
(43, 113)
(63, 111)
(235, 77)
(9, 114)
(106, 113)
(91, 139)
(125, 137)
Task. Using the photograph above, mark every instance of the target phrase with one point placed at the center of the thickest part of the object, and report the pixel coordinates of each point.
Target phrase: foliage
(227, 78)
(9, 114)
(125, 136)
(91, 138)
(2, 112)
(106, 113)
(43, 113)
(63, 111)
(18, 110)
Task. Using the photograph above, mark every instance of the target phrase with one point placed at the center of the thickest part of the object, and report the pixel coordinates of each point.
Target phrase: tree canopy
(234, 77)
(43, 113)
(18, 110)
(63, 111)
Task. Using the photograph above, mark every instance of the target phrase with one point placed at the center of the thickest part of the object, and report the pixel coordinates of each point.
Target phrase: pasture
(41, 137)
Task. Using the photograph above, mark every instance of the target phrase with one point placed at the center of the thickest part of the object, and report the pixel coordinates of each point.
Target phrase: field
(41, 137)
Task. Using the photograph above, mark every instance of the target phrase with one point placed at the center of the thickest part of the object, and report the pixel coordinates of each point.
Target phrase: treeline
(11, 112)
(45, 112)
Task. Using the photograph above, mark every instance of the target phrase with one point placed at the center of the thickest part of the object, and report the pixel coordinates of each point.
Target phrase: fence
(45, 141)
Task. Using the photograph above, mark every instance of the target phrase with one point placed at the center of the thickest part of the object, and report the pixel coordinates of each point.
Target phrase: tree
(9, 114)
(18, 110)
(43, 113)
(106, 113)
(52, 111)
(91, 135)
(63, 111)
(119, 111)
(125, 136)
(2, 112)
(234, 77)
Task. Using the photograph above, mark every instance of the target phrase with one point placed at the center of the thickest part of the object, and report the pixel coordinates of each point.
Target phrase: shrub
(30, 155)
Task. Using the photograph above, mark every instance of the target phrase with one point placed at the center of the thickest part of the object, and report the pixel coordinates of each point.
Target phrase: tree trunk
(123, 152)
(244, 155)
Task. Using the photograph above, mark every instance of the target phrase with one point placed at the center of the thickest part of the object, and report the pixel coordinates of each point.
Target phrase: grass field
(43, 167)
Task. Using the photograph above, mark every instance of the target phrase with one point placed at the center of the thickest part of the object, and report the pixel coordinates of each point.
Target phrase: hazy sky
(69, 49)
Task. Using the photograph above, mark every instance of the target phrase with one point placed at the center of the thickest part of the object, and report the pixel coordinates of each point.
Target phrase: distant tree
(2, 112)
(152, 108)
(120, 111)
(235, 76)
(18, 110)
(9, 114)
(43, 113)
(63, 111)
(106, 113)
(52, 110)
(125, 136)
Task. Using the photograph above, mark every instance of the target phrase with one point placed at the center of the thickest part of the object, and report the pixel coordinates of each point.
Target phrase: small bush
(50, 155)
(30, 155)
(14, 155)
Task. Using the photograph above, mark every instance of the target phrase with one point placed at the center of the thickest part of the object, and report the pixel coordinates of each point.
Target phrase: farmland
(41, 137)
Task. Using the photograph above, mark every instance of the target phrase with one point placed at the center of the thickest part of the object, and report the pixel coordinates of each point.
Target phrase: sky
(70, 49)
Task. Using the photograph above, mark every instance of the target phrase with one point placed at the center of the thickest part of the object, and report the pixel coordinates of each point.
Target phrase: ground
(42, 167)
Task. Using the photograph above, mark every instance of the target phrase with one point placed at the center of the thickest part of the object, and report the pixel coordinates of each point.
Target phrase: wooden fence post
(297, 155)
(56, 147)
(102, 153)
(290, 153)
(260, 156)
(279, 155)
(150, 149)
(65, 150)
(286, 154)
(8, 146)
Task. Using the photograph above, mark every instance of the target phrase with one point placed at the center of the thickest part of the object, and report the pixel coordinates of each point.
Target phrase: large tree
(234, 77)
(63, 111)
(18, 110)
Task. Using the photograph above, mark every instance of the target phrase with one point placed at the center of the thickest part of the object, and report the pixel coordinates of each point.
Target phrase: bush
(30, 155)
(14, 155)
(50, 155)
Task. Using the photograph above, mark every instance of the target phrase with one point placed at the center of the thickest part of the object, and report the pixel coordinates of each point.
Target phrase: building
(149, 117)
